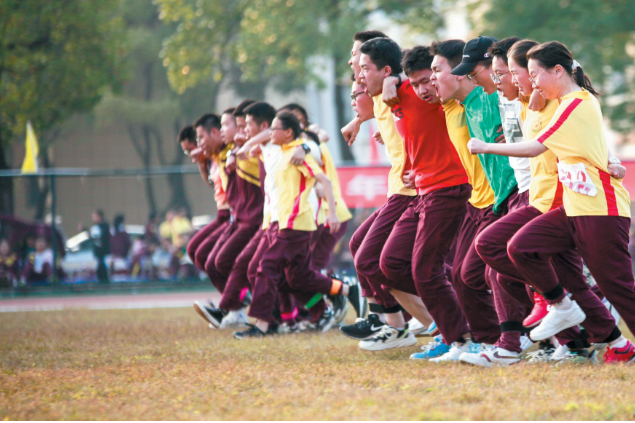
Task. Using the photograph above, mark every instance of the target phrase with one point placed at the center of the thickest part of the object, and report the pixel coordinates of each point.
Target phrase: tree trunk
(42, 186)
(6, 184)
(152, 202)
(340, 112)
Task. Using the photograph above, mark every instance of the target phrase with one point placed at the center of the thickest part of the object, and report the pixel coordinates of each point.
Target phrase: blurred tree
(600, 34)
(286, 42)
(147, 102)
(56, 58)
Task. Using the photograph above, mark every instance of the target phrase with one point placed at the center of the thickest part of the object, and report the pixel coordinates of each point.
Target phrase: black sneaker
(340, 308)
(254, 332)
(363, 328)
(212, 315)
(357, 300)
(326, 321)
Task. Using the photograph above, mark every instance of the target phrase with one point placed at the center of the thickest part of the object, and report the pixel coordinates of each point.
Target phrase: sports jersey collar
(292, 144)
(582, 95)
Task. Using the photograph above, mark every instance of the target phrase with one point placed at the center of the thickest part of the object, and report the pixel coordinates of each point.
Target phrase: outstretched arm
(332, 219)
(521, 149)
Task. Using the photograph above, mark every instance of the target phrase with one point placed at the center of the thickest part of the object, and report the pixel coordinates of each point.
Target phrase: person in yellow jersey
(595, 215)
(324, 241)
(288, 255)
(369, 239)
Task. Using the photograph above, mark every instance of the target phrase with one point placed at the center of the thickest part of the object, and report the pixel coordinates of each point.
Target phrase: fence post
(54, 280)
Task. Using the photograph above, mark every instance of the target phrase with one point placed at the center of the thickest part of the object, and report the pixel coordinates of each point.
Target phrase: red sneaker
(538, 312)
(625, 354)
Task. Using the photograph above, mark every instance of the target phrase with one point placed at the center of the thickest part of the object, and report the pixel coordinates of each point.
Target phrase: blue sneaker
(457, 349)
(434, 349)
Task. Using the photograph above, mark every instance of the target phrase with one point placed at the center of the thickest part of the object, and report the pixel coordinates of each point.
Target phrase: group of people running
(501, 194)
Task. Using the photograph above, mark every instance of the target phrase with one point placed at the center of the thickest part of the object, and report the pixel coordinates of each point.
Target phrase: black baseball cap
(474, 51)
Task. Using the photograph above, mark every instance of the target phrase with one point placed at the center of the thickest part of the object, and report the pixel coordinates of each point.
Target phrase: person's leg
(602, 241)
(236, 295)
(235, 244)
(322, 249)
(371, 251)
(468, 280)
(199, 237)
(356, 242)
(210, 264)
(207, 245)
(262, 246)
(440, 216)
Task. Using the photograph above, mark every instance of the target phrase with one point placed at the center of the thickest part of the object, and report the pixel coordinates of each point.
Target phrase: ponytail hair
(555, 53)
(518, 51)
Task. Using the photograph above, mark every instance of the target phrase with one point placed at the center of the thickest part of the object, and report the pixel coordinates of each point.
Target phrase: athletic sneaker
(457, 349)
(388, 338)
(289, 328)
(418, 329)
(363, 328)
(235, 319)
(326, 321)
(581, 356)
(559, 353)
(254, 332)
(356, 299)
(538, 313)
(340, 308)
(433, 349)
(557, 321)
(626, 354)
(498, 357)
(525, 343)
(214, 316)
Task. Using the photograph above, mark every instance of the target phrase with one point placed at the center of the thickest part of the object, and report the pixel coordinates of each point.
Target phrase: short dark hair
(229, 111)
(290, 121)
(296, 107)
(99, 212)
(187, 134)
(452, 50)
(501, 48)
(416, 59)
(208, 122)
(383, 52)
(364, 36)
(261, 112)
(519, 50)
(239, 111)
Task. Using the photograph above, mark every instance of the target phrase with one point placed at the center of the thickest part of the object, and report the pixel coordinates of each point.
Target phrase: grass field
(166, 364)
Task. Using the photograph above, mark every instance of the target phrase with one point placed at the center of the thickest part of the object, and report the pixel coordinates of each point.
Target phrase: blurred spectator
(39, 264)
(120, 242)
(151, 234)
(8, 265)
(120, 245)
(187, 269)
(165, 261)
(100, 234)
(175, 225)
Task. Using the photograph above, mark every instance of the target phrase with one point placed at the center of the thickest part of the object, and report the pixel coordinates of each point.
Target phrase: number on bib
(576, 178)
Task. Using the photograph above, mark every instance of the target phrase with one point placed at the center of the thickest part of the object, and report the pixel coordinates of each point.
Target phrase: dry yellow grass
(166, 364)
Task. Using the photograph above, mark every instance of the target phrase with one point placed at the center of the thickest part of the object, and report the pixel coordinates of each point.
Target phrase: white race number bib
(576, 178)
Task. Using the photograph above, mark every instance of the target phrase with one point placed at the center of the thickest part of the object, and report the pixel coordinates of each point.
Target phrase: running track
(107, 302)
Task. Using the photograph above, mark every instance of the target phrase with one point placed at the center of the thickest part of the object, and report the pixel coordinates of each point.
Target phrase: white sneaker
(542, 355)
(560, 353)
(235, 319)
(388, 338)
(498, 357)
(525, 343)
(419, 329)
(456, 350)
(557, 321)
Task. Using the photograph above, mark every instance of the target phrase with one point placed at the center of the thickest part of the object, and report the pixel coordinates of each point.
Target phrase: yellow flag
(32, 150)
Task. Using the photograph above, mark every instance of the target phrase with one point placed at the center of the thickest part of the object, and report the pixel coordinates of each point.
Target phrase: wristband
(398, 76)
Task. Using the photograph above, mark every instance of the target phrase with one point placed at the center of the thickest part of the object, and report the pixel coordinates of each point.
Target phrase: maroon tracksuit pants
(204, 240)
(322, 244)
(223, 256)
(468, 277)
(492, 246)
(286, 265)
(367, 244)
(602, 241)
(413, 258)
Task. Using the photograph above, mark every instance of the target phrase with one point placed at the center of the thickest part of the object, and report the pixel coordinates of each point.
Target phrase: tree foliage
(56, 58)
(600, 34)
